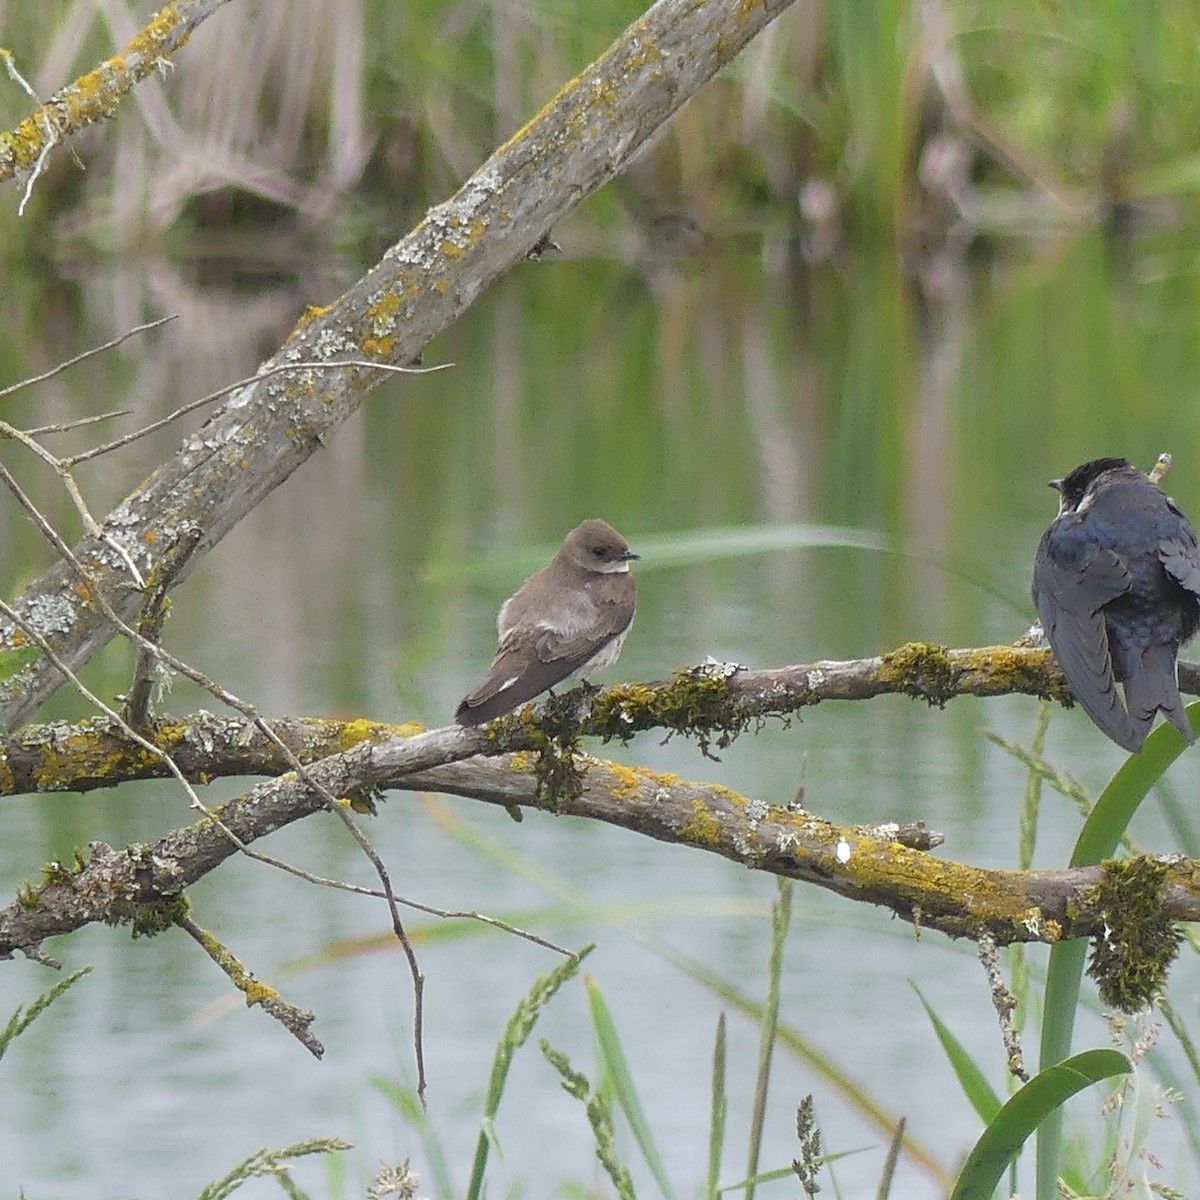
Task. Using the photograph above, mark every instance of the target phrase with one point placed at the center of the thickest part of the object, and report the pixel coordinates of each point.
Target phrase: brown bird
(565, 621)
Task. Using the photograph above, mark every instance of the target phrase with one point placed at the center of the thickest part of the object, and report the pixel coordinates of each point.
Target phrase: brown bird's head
(596, 546)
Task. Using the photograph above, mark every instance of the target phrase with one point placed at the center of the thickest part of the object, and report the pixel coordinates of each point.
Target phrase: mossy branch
(885, 864)
(713, 703)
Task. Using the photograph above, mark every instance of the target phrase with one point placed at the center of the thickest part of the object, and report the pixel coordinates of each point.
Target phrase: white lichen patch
(51, 614)
(712, 668)
(886, 832)
(842, 850)
(483, 185)
(122, 517)
(756, 812)
(329, 343)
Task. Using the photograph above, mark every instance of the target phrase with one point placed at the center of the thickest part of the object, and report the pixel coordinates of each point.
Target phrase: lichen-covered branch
(95, 96)
(584, 137)
(887, 864)
(713, 703)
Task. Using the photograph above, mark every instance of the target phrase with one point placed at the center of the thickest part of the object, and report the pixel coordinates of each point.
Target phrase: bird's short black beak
(629, 556)
(1056, 484)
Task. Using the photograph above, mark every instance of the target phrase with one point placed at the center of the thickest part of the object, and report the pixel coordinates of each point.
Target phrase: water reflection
(665, 396)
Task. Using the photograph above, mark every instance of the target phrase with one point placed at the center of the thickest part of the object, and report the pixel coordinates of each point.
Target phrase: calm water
(668, 399)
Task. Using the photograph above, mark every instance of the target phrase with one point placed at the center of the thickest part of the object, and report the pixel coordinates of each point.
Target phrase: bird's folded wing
(1072, 583)
(1181, 560)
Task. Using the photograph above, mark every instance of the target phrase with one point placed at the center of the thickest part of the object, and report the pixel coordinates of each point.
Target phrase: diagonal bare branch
(583, 138)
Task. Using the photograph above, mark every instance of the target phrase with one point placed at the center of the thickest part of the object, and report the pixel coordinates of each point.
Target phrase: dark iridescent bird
(565, 621)
(1116, 584)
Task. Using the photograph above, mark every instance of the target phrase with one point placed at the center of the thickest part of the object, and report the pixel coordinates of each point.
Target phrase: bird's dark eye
(598, 551)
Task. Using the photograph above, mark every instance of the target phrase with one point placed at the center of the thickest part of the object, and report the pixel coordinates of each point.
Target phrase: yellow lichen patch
(310, 314)
(1020, 669)
(522, 762)
(734, 798)
(353, 733)
(923, 670)
(256, 992)
(381, 347)
(703, 828)
(630, 779)
(384, 311)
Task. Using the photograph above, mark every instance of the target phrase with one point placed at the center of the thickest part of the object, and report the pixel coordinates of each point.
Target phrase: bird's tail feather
(1154, 686)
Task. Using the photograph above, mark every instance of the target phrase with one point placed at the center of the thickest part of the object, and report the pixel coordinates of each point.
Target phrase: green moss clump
(551, 732)
(1137, 943)
(697, 703)
(924, 671)
(151, 919)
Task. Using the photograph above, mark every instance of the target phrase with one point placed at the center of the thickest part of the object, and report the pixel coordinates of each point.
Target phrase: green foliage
(979, 1093)
(520, 1026)
(1101, 834)
(619, 1080)
(599, 1117)
(271, 1163)
(718, 1111)
(1025, 1111)
(1099, 98)
(23, 1018)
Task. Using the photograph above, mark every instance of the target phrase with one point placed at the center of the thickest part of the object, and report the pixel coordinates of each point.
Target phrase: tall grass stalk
(718, 1111)
(516, 1033)
(781, 914)
(1101, 834)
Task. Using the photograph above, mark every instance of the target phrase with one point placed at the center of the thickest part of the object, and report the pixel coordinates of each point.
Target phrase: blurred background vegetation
(902, 119)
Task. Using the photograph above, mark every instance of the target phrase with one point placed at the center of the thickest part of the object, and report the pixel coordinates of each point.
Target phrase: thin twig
(74, 460)
(67, 426)
(1004, 1002)
(150, 623)
(247, 710)
(297, 1021)
(449, 914)
(418, 976)
(70, 362)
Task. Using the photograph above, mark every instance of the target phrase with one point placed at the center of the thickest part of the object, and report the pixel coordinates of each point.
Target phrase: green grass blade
(720, 1106)
(23, 1018)
(857, 1096)
(1107, 822)
(612, 1055)
(682, 548)
(893, 1157)
(1026, 1109)
(979, 1093)
(520, 1026)
(781, 913)
(1098, 839)
(790, 1172)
